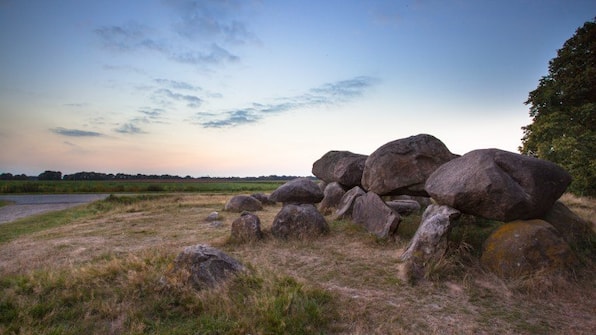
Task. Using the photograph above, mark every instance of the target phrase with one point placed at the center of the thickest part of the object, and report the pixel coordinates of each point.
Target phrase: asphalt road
(26, 205)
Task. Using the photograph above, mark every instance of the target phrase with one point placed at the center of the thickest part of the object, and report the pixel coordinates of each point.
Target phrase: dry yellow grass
(360, 271)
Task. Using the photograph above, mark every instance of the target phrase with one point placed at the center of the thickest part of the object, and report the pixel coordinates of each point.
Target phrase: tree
(50, 175)
(563, 109)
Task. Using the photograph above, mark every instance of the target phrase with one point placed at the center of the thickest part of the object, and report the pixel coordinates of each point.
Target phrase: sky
(257, 87)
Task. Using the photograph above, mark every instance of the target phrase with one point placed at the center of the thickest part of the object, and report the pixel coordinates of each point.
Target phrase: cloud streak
(164, 94)
(178, 85)
(328, 94)
(135, 38)
(201, 34)
(214, 20)
(129, 128)
(75, 132)
(148, 115)
(152, 113)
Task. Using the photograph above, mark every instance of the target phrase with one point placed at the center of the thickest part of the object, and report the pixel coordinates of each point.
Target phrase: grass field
(134, 186)
(4, 203)
(95, 269)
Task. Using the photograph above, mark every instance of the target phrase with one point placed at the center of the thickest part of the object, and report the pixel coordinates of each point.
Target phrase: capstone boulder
(402, 166)
(498, 185)
(343, 167)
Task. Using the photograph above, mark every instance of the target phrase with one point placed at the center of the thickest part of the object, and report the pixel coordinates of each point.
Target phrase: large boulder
(246, 228)
(371, 212)
(298, 191)
(522, 248)
(332, 196)
(202, 267)
(402, 166)
(346, 204)
(263, 198)
(299, 221)
(240, 203)
(343, 167)
(498, 185)
(575, 230)
(429, 243)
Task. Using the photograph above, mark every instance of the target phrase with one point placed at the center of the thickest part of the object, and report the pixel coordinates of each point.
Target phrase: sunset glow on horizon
(258, 88)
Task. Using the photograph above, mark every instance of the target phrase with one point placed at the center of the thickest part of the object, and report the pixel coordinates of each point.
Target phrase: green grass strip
(33, 224)
(5, 203)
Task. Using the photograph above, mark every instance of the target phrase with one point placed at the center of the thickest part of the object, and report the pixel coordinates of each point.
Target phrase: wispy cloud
(164, 96)
(232, 118)
(75, 132)
(148, 115)
(214, 55)
(329, 94)
(123, 68)
(76, 105)
(134, 38)
(202, 33)
(129, 128)
(152, 113)
(179, 85)
(127, 37)
(212, 20)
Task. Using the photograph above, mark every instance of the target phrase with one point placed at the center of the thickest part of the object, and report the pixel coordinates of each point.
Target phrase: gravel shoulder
(26, 205)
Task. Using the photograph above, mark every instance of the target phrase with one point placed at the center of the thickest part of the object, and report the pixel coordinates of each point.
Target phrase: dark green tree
(50, 175)
(563, 109)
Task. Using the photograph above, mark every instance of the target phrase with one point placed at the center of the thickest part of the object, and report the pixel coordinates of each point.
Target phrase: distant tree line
(57, 175)
(10, 176)
(118, 176)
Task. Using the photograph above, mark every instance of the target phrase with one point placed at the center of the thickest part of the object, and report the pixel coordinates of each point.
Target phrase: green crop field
(134, 186)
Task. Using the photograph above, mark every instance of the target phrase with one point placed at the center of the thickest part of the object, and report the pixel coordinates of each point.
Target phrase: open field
(134, 186)
(95, 269)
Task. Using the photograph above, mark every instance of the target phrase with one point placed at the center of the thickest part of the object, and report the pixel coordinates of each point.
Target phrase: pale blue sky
(250, 88)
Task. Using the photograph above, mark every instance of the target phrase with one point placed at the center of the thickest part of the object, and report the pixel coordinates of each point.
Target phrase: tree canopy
(563, 109)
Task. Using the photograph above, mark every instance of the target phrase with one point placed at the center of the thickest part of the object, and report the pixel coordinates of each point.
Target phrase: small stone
(213, 216)
(202, 267)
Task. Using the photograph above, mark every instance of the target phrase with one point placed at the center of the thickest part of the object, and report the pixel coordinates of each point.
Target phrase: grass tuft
(124, 295)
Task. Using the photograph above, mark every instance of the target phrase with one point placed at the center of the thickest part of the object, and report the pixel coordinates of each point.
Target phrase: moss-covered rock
(522, 248)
